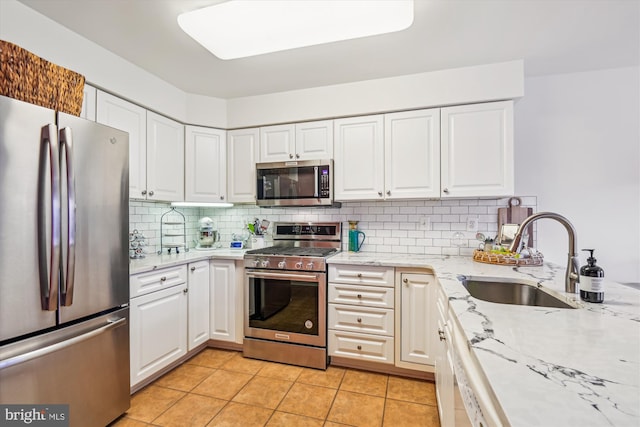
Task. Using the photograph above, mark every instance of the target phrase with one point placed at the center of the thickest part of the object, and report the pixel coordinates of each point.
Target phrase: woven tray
(500, 259)
(27, 77)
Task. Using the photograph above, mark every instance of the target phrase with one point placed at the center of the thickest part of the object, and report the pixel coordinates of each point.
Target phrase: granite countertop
(545, 366)
(153, 261)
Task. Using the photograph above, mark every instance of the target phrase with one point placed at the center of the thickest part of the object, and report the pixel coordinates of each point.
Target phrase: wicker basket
(29, 78)
(501, 259)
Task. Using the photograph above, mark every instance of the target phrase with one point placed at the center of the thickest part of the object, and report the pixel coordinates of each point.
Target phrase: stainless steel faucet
(571, 275)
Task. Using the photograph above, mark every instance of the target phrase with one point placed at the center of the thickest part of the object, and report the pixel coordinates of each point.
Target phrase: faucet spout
(571, 275)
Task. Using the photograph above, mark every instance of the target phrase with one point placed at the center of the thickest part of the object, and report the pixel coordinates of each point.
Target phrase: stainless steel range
(286, 304)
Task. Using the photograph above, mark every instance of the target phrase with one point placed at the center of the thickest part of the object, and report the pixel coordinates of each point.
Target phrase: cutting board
(515, 214)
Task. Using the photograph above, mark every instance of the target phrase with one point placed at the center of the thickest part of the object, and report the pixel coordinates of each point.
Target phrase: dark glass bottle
(591, 280)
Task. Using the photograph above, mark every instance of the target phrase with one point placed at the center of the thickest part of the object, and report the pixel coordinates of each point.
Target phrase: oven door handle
(285, 276)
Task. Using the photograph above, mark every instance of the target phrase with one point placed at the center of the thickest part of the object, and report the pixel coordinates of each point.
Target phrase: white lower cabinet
(225, 301)
(416, 320)
(444, 363)
(158, 327)
(361, 313)
(198, 303)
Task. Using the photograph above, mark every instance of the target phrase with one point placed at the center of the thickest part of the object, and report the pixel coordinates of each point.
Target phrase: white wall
(490, 82)
(578, 150)
(42, 36)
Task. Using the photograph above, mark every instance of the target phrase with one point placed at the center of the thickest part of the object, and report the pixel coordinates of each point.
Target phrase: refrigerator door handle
(49, 237)
(22, 358)
(68, 265)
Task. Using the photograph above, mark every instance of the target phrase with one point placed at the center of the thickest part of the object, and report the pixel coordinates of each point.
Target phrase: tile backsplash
(413, 227)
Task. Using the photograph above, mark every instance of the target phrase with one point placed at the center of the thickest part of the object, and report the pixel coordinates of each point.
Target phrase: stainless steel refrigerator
(64, 267)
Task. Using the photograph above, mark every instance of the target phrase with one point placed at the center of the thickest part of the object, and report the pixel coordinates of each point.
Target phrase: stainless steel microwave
(295, 183)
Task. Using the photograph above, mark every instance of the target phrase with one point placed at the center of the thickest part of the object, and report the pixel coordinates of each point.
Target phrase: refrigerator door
(95, 235)
(85, 365)
(26, 175)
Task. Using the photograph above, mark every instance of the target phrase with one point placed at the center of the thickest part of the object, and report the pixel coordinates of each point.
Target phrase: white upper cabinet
(89, 103)
(120, 114)
(302, 141)
(477, 150)
(359, 158)
(277, 143)
(205, 164)
(314, 140)
(412, 154)
(242, 152)
(165, 158)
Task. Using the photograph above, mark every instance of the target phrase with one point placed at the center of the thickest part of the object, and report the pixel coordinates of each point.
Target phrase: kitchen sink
(511, 292)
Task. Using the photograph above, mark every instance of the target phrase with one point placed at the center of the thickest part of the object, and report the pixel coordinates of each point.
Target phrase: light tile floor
(221, 388)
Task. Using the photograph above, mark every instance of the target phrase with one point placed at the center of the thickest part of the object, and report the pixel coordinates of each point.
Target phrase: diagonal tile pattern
(221, 388)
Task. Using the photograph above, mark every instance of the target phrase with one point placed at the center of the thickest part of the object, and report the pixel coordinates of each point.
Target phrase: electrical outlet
(425, 223)
(472, 223)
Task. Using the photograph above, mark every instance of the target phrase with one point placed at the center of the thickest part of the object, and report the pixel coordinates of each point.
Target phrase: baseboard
(381, 368)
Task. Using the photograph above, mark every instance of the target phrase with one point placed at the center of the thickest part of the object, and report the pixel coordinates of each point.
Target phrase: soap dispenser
(591, 280)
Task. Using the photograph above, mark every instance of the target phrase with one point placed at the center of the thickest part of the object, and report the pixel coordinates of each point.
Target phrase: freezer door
(85, 365)
(95, 212)
(26, 218)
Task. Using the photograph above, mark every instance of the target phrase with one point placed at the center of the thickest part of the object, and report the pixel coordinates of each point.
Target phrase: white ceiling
(552, 36)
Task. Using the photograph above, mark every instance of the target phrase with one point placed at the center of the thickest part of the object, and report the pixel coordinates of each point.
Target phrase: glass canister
(355, 243)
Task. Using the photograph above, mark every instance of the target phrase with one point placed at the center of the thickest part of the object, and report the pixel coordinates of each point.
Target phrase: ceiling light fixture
(241, 28)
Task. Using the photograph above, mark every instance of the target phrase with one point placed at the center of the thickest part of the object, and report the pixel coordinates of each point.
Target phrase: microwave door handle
(68, 265)
(316, 192)
(49, 260)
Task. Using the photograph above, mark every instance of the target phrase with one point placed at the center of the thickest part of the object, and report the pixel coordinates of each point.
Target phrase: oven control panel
(286, 263)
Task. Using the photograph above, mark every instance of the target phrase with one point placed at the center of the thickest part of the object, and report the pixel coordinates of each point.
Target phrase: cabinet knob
(359, 320)
(163, 279)
(221, 197)
(193, 269)
(359, 275)
(151, 193)
(380, 193)
(291, 156)
(445, 190)
(388, 192)
(405, 281)
(185, 290)
(297, 156)
(441, 335)
(144, 192)
(359, 347)
(359, 296)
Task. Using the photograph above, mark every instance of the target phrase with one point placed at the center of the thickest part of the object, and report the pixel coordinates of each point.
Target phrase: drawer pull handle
(163, 279)
(359, 347)
(359, 296)
(359, 320)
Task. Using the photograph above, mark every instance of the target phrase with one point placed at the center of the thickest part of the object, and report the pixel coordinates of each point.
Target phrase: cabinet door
(418, 328)
(198, 304)
(165, 159)
(205, 164)
(242, 150)
(314, 140)
(412, 154)
(222, 282)
(120, 114)
(277, 143)
(359, 158)
(89, 103)
(158, 331)
(477, 150)
(444, 365)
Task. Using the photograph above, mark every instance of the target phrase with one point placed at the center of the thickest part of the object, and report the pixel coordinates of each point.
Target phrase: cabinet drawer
(144, 283)
(374, 348)
(369, 296)
(361, 275)
(361, 319)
